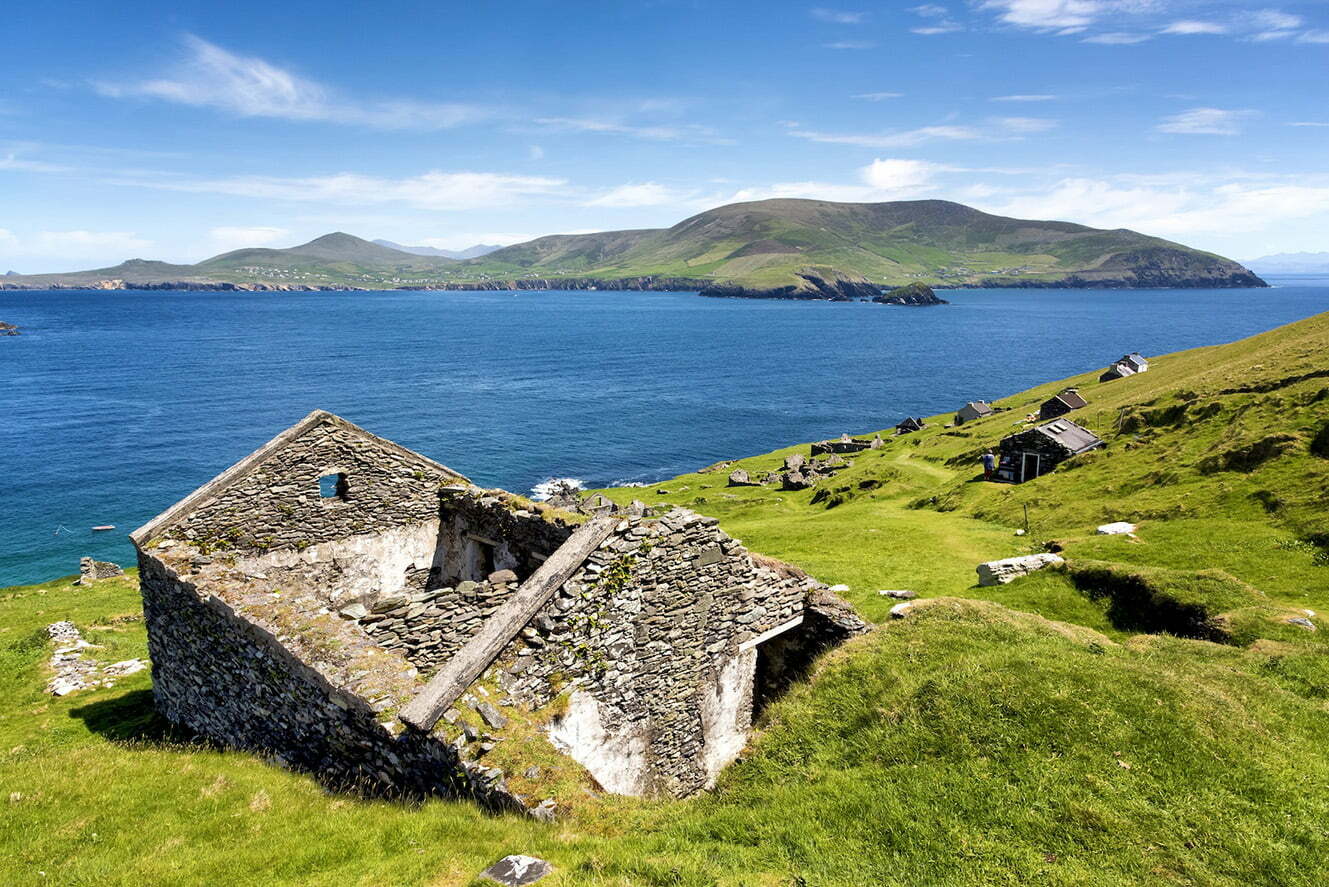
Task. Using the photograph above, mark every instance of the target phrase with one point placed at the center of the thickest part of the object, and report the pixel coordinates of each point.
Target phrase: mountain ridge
(785, 248)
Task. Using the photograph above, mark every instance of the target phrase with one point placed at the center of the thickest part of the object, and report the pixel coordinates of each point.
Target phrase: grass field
(1039, 732)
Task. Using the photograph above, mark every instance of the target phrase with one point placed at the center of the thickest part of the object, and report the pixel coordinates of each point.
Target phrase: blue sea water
(116, 405)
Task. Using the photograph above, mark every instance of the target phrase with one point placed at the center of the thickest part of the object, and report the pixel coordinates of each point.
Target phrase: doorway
(1029, 465)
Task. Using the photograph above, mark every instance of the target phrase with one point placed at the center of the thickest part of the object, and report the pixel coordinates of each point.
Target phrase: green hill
(789, 248)
(772, 244)
(1047, 731)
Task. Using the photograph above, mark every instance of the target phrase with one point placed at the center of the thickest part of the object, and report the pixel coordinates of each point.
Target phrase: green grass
(1030, 733)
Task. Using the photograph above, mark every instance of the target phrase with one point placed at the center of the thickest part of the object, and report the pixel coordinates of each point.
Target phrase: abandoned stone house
(1029, 454)
(1061, 404)
(364, 613)
(1127, 365)
(910, 425)
(975, 409)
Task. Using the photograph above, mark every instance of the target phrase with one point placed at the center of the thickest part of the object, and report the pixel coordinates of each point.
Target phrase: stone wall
(220, 669)
(277, 504)
(651, 639)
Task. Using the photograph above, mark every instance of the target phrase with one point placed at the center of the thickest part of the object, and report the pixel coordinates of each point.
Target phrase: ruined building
(363, 613)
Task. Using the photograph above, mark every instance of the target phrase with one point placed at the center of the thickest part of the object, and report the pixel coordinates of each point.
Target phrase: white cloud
(433, 190)
(930, 10)
(602, 126)
(1195, 27)
(877, 96)
(1118, 38)
(893, 175)
(905, 139)
(1308, 123)
(943, 23)
(1176, 211)
(850, 44)
(213, 77)
(1205, 121)
(1275, 20)
(74, 244)
(1039, 97)
(1026, 124)
(226, 238)
(1046, 15)
(838, 16)
(644, 194)
(932, 30)
(1314, 37)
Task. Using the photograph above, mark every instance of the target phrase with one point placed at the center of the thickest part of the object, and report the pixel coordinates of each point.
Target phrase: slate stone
(517, 870)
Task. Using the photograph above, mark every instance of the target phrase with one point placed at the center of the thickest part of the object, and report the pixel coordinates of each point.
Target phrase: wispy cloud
(643, 194)
(433, 190)
(1309, 123)
(1026, 124)
(213, 77)
(226, 238)
(904, 139)
(1188, 26)
(18, 164)
(850, 44)
(1038, 97)
(1205, 121)
(1118, 38)
(1048, 15)
(605, 126)
(838, 16)
(74, 244)
(993, 128)
(877, 96)
(1313, 37)
(939, 18)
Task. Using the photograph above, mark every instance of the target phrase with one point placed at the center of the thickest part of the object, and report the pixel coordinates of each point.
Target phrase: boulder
(900, 594)
(1117, 528)
(517, 870)
(1012, 568)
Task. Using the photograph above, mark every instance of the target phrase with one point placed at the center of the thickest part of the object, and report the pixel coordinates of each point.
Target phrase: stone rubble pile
(72, 671)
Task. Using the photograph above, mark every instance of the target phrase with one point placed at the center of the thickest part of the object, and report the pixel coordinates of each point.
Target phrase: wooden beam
(475, 656)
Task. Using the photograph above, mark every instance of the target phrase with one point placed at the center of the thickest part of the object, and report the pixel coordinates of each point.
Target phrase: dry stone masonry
(360, 612)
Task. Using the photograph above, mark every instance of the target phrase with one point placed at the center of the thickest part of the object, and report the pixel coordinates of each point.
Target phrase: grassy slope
(971, 743)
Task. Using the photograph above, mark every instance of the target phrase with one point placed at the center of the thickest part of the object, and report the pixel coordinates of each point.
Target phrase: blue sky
(176, 131)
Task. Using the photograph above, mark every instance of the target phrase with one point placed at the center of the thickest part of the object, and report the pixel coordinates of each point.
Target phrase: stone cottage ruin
(364, 613)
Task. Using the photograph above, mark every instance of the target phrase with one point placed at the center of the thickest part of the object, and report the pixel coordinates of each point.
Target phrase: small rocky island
(8, 329)
(910, 294)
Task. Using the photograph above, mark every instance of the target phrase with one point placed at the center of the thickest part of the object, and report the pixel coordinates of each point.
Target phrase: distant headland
(786, 248)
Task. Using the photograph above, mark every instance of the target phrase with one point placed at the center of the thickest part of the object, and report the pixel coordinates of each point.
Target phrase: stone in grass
(1012, 568)
(491, 716)
(900, 594)
(517, 870)
(839, 589)
(1117, 528)
(899, 611)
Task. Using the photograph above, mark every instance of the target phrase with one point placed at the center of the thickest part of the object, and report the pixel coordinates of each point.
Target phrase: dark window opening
(333, 486)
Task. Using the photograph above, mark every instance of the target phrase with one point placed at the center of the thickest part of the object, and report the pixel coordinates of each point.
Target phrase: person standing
(989, 465)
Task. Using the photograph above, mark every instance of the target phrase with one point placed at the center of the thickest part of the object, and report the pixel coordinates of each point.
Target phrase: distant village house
(1061, 404)
(1128, 365)
(975, 409)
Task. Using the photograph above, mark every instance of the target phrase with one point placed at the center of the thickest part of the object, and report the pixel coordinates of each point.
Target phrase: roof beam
(468, 663)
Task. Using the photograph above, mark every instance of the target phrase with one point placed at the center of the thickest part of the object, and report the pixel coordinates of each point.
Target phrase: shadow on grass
(133, 719)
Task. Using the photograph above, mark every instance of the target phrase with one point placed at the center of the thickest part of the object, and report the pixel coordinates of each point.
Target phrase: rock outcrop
(910, 294)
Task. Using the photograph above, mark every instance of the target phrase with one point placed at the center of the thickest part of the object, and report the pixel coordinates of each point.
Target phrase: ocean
(116, 405)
